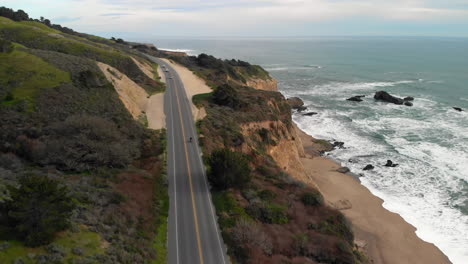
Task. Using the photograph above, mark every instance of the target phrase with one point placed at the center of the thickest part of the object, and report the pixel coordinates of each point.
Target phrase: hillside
(73, 109)
(269, 210)
(64, 122)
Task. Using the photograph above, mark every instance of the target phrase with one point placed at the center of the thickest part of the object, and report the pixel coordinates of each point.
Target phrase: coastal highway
(193, 233)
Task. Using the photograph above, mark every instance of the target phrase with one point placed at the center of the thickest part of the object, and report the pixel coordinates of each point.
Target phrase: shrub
(226, 95)
(266, 195)
(250, 235)
(38, 209)
(228, 169)
(337, 225)
(5, 46)
(268, 213)
(86, 142)
(312, 198)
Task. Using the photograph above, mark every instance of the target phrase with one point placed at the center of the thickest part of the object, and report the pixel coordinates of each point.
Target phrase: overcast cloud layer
(138, 18)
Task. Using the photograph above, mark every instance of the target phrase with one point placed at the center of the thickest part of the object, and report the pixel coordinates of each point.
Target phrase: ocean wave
(289, 68)
(348, 86)
(188, 51)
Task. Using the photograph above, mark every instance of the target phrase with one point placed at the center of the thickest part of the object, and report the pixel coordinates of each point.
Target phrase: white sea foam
(288, 68)
(430, 147)
(188, 51)
(334, 87)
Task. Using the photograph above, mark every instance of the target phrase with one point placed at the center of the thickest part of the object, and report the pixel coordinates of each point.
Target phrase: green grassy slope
(23, 74)
(60, 118)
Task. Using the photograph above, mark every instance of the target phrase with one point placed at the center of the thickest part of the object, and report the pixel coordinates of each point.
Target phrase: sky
(253, 18)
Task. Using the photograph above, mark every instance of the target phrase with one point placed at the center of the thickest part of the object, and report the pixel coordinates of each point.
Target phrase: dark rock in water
(338, 144)
(408, 103)
(351, 161)
(355, 99)
(368, 167)
(386, 97)
(343, 170)
(310, 114)
(408, 98)
(295, 102)
(301, 108)
(390, 164)
(458, 109)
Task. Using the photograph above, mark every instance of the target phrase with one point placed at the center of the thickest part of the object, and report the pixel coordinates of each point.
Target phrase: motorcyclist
(190, 139)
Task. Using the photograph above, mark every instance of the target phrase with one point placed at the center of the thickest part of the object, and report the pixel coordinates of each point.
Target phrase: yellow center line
(190, 179)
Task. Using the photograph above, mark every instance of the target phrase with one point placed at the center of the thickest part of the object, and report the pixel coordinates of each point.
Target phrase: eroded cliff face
(266, 85)
(283, 144)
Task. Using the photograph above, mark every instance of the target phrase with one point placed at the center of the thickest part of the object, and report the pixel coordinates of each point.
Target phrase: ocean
(429, 140)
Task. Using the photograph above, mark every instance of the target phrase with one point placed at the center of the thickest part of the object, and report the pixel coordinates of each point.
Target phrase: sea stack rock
(343, 170)
(408, 98)
(458, 109)
(407, 103)
(356, 98)
(390, 164)
(368, 167)
(386, 97)
(296, 103)
(310, 114)
(338, 144)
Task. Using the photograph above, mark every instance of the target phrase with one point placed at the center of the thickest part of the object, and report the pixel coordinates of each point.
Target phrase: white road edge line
(204, 177)
(175, 180)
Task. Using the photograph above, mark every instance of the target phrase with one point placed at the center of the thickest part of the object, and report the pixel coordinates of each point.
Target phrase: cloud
(115, 14)
(218, 17)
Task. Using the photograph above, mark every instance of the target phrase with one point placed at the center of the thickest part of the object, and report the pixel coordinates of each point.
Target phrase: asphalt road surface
(193, 233)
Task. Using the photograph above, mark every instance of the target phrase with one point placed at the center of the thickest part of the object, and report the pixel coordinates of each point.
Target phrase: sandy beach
(385, 236)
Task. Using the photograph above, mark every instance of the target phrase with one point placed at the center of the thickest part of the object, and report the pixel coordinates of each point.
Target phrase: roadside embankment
(138, 102)
(193, 85)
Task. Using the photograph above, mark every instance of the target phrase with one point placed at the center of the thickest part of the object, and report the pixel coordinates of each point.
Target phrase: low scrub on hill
(98, 193)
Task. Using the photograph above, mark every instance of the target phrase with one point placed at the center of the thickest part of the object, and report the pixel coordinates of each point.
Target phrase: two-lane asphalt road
(193, 233)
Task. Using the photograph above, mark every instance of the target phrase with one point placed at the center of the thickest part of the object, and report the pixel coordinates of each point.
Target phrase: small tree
(228, 169)
(38, 209)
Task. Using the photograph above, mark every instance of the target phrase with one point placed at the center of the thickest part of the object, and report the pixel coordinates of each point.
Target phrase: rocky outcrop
(296, 103)
(261, 84)
(386, 97)
(458, 109)
(310, 114)
(356, 98)
(407, 103)
(368, 167)
(390, 164)
(343, 170)
(408, 98)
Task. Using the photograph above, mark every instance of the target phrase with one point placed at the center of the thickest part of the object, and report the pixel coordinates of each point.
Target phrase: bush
(228, 169)
(86, 142)
(226, 95)
(268, 213)
(312, 198)
(38, 209)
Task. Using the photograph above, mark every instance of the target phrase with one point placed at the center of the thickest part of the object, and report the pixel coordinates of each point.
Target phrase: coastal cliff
(263, 84)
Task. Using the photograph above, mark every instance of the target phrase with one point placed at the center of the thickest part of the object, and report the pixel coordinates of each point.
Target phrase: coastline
(383, 235)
